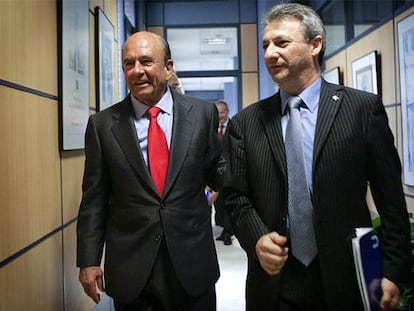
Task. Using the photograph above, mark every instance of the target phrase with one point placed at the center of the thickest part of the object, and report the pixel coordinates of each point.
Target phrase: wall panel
(110, 9)
(75, 298)
(30, 169)
(34, 280)
(248, 34)
(157, 30)
(95, 3)
(392, 121)
(72, 173)
(41, 186)
(250, 90)
(385, 48)
(339, 59)
(29, 44)
(382, 39)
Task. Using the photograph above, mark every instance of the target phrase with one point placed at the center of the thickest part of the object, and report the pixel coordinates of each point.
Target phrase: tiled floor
(230, 286)
(233, 264)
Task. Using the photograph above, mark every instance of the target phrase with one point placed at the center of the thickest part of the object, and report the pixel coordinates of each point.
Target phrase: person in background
(221, 217)
(175, 83)
(347, 145)
(155, 225)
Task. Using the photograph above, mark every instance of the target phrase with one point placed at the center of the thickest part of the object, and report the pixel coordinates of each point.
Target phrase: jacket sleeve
(95, 200)
(388, 195)
(247, 224)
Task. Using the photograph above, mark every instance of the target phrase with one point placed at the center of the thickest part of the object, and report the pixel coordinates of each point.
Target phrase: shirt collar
(165, 104)
(310, 96)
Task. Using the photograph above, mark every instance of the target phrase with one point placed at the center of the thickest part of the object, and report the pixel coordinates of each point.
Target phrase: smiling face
(290, 60)
(144, 66)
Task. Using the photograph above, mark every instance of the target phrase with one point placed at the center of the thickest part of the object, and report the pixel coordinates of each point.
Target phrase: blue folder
(367, 249)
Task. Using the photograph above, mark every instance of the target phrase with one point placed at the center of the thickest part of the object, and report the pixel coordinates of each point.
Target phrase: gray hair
(311, 22)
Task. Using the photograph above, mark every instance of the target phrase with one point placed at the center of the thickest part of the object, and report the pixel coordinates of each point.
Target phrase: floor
(230, 286)
(233, 264)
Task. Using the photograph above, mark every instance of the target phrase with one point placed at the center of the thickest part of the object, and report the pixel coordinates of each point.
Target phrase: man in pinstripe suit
(347, 145)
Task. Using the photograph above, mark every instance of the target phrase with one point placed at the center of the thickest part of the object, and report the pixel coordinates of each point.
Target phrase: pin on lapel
(335, 97)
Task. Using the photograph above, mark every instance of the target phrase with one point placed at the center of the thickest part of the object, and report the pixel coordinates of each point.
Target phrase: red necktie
(221, 133)
(157, 151)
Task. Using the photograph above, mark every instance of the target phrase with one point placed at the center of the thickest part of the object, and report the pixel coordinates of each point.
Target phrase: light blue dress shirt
(310, 97)
(141, 121)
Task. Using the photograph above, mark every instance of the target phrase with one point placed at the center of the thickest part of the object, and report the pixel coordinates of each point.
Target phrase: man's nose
(272, 50)
(138, 67)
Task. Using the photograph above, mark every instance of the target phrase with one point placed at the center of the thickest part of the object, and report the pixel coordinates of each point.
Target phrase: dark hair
(167, 50)
(222, 102)
(311, 22)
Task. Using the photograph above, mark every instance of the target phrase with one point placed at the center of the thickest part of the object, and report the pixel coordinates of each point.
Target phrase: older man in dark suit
(346, 146)
(149, 208)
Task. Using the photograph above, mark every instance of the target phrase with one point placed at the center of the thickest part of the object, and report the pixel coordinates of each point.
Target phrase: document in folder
(366, 246)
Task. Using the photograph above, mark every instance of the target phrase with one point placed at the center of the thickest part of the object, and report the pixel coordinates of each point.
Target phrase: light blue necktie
(302, 234)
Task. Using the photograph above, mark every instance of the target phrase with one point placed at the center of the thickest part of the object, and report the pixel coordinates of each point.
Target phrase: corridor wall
(383, 40)
(40, 185)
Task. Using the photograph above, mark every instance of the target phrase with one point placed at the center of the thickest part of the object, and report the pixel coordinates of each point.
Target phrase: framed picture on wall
(73, 72)
(405, 29)
(333, 75)
(104, 60)
(365, 73)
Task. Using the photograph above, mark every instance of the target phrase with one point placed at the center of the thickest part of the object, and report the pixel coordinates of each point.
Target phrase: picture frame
(365, 73)
(104, 60)
(405, 31)
(73, 88)
(333, 75)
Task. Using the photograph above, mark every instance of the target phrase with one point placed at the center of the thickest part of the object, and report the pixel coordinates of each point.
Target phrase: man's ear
(168, 73)
(317, 43)
(169, 68)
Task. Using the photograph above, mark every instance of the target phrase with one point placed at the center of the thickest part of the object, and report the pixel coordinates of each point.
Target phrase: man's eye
(282, 43)
(128, 63)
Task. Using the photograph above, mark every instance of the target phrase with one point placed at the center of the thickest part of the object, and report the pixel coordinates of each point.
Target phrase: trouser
(164, 291)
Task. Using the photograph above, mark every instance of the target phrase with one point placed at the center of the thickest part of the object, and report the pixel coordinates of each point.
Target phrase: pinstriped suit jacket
(353, 147)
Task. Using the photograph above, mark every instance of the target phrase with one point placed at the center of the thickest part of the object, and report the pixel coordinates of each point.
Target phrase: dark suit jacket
(353, 146)
(122, 208)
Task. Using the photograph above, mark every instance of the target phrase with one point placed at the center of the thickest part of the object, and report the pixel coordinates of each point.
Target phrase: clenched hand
(272, 252)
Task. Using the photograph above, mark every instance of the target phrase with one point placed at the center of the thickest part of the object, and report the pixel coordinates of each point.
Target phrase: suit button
(158, 238)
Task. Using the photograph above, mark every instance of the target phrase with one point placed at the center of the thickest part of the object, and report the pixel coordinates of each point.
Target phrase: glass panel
(369, 12)
(199, 49)
(213, 89)
(333, 16)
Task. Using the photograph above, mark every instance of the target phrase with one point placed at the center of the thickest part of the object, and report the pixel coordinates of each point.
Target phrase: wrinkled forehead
(285, 26)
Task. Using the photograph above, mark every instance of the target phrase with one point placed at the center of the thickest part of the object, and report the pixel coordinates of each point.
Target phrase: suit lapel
(329, 103)
(183, 128)
(125, 133)
(270, 120)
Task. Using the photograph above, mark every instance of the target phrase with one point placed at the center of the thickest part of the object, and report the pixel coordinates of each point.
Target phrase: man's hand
(90, 277)
(212, 197)
(271, 252)
(390, 295)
